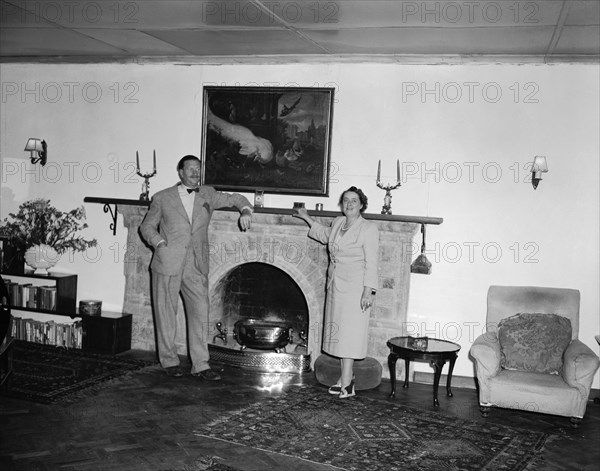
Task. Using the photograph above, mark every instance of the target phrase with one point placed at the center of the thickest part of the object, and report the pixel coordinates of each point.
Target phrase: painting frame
(271, 139)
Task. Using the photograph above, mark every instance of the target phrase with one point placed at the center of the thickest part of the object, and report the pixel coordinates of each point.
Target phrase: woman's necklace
(346, 226)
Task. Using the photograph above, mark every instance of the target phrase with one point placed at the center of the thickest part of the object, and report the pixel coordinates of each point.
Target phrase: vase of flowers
(44, 233)
(41, 258)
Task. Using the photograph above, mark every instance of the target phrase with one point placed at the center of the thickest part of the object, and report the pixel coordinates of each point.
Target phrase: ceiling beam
(558, 29)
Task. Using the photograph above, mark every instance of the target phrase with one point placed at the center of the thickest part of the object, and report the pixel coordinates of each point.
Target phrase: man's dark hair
(361, 196)
(184, 159)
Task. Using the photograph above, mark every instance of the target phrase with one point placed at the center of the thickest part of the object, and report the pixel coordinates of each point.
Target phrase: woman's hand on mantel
(302, 213)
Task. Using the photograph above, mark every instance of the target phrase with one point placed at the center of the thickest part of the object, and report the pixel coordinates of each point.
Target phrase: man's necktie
(190, 190)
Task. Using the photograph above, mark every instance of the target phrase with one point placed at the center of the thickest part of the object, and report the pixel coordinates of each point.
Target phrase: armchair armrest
(580, 364)
(486, 353)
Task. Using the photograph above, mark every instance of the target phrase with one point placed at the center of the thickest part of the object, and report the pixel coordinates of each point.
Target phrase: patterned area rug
(206, 463)
(361, 434)
(48, 374)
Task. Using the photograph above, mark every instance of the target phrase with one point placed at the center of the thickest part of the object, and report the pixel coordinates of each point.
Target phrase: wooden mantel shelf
(107, 202)
(102, 200)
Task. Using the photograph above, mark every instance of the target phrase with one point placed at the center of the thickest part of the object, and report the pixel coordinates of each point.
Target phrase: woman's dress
(353, 263)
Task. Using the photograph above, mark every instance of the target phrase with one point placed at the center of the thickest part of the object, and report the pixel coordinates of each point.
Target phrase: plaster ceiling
(230, 30)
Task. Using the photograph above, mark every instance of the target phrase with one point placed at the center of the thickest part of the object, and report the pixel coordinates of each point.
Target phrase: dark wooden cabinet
(107, 333)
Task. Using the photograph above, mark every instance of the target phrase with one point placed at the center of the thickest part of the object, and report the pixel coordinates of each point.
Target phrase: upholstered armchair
(530, 357)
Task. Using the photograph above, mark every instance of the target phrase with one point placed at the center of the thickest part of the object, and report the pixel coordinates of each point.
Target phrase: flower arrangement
(38, 222)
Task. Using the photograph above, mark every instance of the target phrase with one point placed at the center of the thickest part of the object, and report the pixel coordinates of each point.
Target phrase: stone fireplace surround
(277, 238)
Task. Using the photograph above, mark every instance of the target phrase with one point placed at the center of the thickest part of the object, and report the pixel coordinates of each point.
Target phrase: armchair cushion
(534, 342)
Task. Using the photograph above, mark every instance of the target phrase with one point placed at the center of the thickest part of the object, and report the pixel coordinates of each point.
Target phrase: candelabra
(387, 199)
(145, 194)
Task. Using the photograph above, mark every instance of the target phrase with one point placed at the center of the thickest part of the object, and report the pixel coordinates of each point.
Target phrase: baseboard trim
(467, 382)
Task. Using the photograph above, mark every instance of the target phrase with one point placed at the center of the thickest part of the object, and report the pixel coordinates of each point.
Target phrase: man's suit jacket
(167, 220)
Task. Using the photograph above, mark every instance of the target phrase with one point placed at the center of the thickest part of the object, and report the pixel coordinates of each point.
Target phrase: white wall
(465, 135)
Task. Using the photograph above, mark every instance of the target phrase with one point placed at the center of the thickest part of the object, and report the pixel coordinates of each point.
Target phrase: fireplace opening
(261, 291)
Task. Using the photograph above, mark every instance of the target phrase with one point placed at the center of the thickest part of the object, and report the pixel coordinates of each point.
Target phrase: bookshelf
(44, 311)
(51, 294)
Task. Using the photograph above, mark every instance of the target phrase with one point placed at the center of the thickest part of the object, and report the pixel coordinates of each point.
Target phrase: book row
(30, 296)
(48, 332)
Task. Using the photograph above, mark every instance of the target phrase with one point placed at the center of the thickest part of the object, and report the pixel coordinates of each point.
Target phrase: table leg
(392, 357)
(449, 380)
(406, 371)
(437, 366)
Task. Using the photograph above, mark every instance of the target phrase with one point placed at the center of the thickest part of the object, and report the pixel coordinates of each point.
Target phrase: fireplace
(257, 290)
(261, 310)
(277, 246)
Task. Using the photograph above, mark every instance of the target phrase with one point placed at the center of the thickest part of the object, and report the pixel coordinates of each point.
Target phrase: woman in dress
(353, 245)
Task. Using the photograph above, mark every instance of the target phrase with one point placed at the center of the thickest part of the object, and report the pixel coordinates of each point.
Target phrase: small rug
(48, 374)
(362, 434)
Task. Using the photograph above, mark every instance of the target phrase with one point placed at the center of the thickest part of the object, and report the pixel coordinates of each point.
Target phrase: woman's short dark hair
(184, 159)
(361, 196)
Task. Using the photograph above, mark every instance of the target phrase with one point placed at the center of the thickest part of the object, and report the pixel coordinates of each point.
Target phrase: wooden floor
(145, 422)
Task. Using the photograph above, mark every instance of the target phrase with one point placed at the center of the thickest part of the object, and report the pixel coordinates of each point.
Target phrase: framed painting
(273, 139)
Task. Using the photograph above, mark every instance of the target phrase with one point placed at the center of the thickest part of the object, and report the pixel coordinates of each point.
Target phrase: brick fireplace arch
(309, 276)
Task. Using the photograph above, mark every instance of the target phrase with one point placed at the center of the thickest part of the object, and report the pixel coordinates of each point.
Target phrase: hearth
(260, 360)
(268, 346)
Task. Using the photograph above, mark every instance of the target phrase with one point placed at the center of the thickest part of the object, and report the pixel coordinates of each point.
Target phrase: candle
(137, 161)
(155, 164)
(379, 171)
(398, 169)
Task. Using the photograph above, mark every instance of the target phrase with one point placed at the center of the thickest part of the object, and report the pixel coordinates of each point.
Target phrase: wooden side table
(435, 351)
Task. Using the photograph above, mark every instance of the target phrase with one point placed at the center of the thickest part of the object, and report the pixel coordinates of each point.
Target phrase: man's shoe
(208, 375)
(174, 371)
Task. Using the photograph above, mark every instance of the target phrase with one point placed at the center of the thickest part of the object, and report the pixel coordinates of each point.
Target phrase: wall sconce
(538, 167)
(37, 145)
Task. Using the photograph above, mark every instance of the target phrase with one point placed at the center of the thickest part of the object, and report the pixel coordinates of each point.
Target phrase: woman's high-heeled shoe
(336, 388)
(348, 391)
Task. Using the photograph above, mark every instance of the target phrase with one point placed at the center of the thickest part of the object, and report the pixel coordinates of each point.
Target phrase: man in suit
(176, 225)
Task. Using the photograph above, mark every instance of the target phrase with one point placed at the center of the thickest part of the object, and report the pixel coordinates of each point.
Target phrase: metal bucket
(261, 334)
